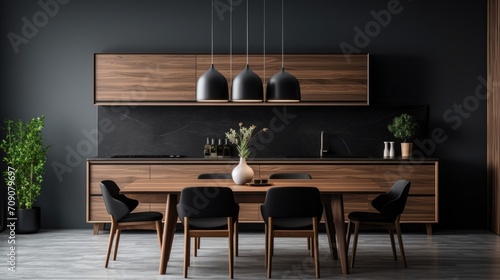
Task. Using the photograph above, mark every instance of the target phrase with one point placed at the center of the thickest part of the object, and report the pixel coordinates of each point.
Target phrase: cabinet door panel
(144, 77)
(330, 77)
(324, 171)
(97, 210)
(122, 174)
(423, 178)
(420, 209)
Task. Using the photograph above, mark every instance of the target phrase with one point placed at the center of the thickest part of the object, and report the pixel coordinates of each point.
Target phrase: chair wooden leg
(393, 246)
(195, 246)
(236, 230)
(400, 241)
(198, 241)
(187, 249)
(315, 246)
(266, 244)
(310, 242)
(117, 241)
(159, 231)
(270, 246)
(231, 248)
(348, 237)
(110, 243)
(355, 242)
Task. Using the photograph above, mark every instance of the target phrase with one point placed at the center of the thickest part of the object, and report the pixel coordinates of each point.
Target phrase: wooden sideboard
(422, 205)
(170, 79)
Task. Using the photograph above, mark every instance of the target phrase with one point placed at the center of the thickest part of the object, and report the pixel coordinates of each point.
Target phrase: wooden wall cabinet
(422, 205)
(170, 79)
(142, 78)
(329, 78)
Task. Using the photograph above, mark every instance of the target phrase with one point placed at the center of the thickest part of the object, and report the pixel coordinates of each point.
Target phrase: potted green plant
(25, 156)
(404, 127)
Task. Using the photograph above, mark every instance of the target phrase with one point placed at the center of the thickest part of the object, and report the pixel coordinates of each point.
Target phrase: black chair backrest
(290, 176)
(215, 176)
(292, 202)
(207, 202)
(115, 207)
(392, 203)
(115, 193)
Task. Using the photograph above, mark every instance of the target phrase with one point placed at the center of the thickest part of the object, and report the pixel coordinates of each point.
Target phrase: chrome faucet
(322, 150)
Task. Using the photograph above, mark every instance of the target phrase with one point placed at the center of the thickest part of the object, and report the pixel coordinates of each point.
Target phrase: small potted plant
(404, 127)
(25, 156)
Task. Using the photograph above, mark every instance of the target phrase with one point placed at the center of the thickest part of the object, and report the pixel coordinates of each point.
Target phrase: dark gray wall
(429, 53)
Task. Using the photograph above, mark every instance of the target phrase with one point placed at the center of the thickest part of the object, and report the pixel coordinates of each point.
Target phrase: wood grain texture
(322, 77)
(330, 77)
(144, 77)
(337, 171)
(122, 174)
(422, 204)
(157, 79)
(493, 114)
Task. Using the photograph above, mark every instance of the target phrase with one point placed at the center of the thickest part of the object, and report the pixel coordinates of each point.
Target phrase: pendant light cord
(282, 48)
(231, 40)
(212, 40)
(264, 40)
(247, 32)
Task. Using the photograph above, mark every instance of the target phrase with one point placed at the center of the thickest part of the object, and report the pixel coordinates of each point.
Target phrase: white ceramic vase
(242, 173)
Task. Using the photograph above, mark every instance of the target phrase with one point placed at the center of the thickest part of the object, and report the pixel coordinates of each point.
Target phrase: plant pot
(242, 173)
(28, 220)
(406, 149)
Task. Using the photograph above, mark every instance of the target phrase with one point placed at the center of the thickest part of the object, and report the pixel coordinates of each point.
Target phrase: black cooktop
(147, 156)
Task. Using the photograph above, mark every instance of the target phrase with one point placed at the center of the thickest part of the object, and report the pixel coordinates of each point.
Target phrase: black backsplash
(293, 131)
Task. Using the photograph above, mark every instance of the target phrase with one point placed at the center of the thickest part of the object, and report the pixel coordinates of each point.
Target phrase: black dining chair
(120, 208)
(390, 206)
(291, 212)
(215, 176)
(208, 212)
(290, 176)
(296, 175)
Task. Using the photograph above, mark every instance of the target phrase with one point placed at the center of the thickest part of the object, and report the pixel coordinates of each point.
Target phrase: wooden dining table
(332, 191)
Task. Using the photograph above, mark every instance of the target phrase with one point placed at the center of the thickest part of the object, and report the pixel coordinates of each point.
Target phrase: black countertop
(179, 158)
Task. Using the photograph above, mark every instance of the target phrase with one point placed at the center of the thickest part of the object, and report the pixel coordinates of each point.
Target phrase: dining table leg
(168, 231)
(337, 205)
(330, 226)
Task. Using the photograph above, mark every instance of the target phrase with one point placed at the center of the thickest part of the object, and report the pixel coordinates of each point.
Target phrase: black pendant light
(212, 85)
(247, 85)
(283, 87)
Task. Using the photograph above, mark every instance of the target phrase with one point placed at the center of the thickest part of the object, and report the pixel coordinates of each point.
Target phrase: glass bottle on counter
(206, 148)
(226, 150)
(213, 149)
(220, 148)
